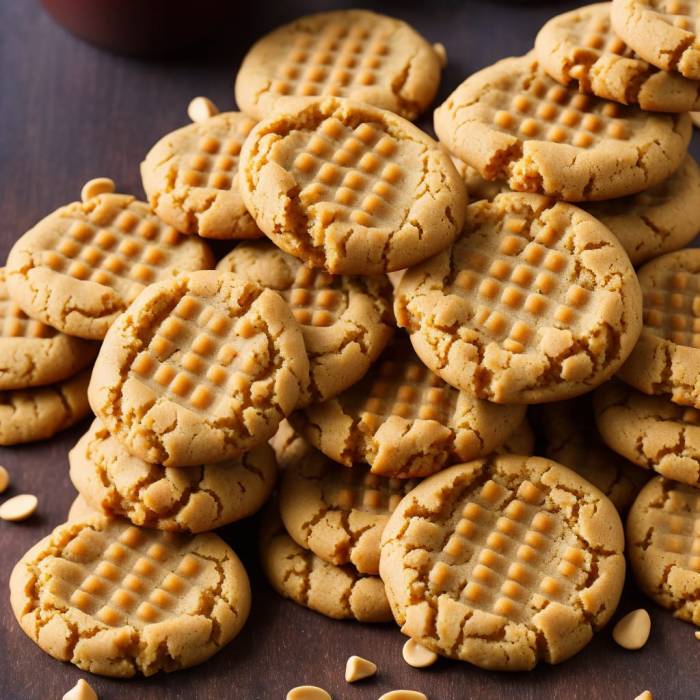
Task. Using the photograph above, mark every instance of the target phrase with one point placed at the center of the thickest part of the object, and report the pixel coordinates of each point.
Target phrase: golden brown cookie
(118, 600)
(535, 301)
(404, 421)
(199, 369)
(357, 54)
(346, 321)
(178, 500)
(349, 187)
(513, 122)
(477, 187)
(662, 544)
(80, 509)
(82, 265)
(504, 562)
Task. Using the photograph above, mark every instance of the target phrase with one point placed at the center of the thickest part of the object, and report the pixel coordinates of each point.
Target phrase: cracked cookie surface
(356, 54)
(192, 499)
(199, 369)
(503, 562)
(536, 301)
(351, 188)
(404, 421)
(513, 122)
(662, 546)
(118, 600)
(346, 321)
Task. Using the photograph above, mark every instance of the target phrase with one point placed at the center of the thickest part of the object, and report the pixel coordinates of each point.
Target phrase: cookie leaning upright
(513, 122)
(82, 265)
(356, 54)
(200, 368)
(349, 187)
(536, 301)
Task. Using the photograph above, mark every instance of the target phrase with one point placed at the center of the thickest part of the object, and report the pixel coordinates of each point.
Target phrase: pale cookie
(666, 359)
(659, 220)
(477, 187)
(513, 122)
(504, 562)
(346, 321)
(191, 177)
(650, 431)
(663, 32)
(569, 436)
(200, 368)
(520, 442)
(535, 301)
(82, 265)
(32, 353)
(404, 421)
(581, 47)
(178, 500)
(357, 54)
(117, 600)
(338, 592)
(80, 509)
(28, 415)
(351, 188)
(663, 546)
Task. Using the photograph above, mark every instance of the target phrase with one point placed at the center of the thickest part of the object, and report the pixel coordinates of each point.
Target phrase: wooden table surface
(70, 112)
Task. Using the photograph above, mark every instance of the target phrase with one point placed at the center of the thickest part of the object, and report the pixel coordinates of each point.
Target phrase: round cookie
(662, 32)
(404, 421)
(650, 431)
(662, 531)
(118, 600)
(191, 177)
(513, 122)
(351, 188)
(200, 368)
(536, 301)
(336, 512)
(665, 360)
(657, 221)
(357, 54)
(28, 415)
(178, 500)
(32, 353)
(580, 47)
(503, 562)
(82, 265)
(80, 509)
(477, 187)
(339, 592)
(346, 321)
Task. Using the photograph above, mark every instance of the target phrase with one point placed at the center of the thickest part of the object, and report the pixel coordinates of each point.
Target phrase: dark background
(70, 112)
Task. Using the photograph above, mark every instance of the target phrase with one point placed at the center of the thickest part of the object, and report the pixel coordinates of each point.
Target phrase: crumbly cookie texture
(513, 122)
(346, 321)
(27, 415)
(662, 32)
(650, 431)
(82, 265)
(581, 47)
(118, 600)
(336, 512)
(535, 301)
(570, 437)
(289, 446)
(661, 528)
(504, 562)
(351, 188)
(404, 421)
(665, 360)
(199, 369)
(191, 178)
(178, 500)
(32, 353)
(657, 221)
(477, 187)
(339, 592)
(357, 54)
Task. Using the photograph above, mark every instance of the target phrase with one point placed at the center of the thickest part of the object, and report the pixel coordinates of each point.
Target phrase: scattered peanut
(308, 692)
(200, 109)
(81, 691)
(99, 185)
(632, 631)
(416, 655)
(18, 508)
(358, 668)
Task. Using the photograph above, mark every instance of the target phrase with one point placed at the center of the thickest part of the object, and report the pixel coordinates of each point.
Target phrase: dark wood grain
(69, 112)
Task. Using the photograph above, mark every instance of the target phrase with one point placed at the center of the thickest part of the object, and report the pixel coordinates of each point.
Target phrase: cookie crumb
(4, 479)
(308, 692)
(358, 668)
(97, 186)
(646, 695)
(404, 695)
(81, 691)
(632, 631)
(18, 508)
(201, 108)
(416, 655)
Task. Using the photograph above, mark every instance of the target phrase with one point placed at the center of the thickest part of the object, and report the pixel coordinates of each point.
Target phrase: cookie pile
(391, 307)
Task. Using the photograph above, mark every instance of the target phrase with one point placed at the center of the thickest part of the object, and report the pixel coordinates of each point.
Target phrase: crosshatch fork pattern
(14, 323)
(683, 14)
(312, 297)
(672, 310)
(598, 35)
